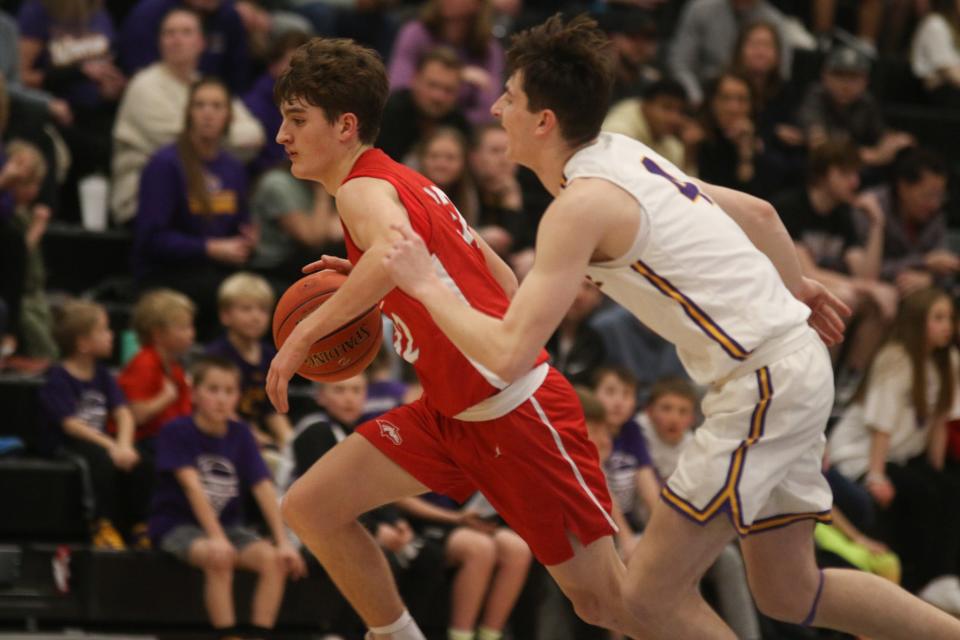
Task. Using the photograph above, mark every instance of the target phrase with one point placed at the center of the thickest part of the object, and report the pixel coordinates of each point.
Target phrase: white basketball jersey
(692, 275)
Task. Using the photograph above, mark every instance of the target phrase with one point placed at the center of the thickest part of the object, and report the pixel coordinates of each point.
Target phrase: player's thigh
(351, 479)
(672, 556)
(782, 569)
(594, 569)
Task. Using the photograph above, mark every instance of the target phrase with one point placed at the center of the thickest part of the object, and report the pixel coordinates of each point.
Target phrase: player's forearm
(482, 338)
(759, 220)
(367, 284)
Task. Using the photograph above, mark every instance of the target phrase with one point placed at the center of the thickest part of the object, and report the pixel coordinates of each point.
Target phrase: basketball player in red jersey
(523, 443)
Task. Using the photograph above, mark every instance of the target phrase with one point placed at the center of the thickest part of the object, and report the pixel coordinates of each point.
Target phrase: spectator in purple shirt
(259, 99)
(205, 464)
(66, 48)
(465, 26)
(226, 55)
(192, 223)
(85, 416)
(630, 472)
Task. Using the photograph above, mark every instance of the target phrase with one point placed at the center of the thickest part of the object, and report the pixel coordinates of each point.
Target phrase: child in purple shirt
(633, 480)
(246, 302)
(205, 464)
(84, 415)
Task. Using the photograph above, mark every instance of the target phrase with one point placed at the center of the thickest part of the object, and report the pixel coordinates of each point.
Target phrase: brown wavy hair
(567, 68)
(192, 162)
(909, 331)
(773, 82)
(339, 76)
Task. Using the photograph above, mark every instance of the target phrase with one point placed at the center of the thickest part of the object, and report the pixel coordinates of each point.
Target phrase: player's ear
(547, 122)
(349, 124)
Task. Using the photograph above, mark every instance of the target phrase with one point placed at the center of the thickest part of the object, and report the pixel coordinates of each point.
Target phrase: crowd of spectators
(170, 102)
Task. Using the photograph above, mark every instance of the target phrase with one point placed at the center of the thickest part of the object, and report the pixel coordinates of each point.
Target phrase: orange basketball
(341, 354)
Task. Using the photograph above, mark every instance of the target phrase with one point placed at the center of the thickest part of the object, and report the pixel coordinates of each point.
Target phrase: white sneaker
(943, 593)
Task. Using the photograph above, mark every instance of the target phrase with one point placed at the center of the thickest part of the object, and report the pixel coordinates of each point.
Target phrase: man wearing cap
(703, 44)
(840, 106)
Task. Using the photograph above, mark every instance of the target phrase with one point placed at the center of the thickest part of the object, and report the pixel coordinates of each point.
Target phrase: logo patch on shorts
(390, 431)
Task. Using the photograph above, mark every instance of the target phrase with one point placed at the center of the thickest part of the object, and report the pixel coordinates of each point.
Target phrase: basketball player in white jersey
(713, 271)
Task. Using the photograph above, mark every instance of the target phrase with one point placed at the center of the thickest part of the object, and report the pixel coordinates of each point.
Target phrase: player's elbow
(765, 213)
(513, 365)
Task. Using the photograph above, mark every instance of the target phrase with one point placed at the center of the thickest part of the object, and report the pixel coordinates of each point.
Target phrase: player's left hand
(285, 364)
(292, 560)
(827, 311)
(408, 261)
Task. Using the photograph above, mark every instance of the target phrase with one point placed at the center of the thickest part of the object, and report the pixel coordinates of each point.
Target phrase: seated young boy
(154, 379)
(85, 415)
(205, 464)
(246, 302)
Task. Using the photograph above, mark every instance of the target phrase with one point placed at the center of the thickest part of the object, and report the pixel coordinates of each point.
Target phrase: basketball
(342, 353)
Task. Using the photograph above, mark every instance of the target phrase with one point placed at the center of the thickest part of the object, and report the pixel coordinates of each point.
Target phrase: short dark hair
(911, 163)
(568, 69)
(840, 152)
(622, 374)
(666, 87)
(441, 55)
(207, 363)
(339, 76)
(672, 386)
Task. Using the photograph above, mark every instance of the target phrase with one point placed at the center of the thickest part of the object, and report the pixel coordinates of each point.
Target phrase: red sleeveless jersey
(451, 381)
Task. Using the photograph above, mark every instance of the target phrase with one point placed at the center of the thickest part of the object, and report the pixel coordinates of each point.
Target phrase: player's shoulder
(588, 194)
(363, 191)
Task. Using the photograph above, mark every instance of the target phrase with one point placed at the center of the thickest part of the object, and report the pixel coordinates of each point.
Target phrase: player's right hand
(339, 265)
(285, 364)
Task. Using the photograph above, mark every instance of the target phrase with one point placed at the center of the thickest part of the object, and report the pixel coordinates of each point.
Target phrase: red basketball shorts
(535, 464)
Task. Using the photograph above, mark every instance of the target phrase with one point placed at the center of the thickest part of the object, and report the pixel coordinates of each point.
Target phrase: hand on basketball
(826, 311)
(408, 261)
(288, 359)
(339, 265)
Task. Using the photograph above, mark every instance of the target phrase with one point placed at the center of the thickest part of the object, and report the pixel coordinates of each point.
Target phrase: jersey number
(438, 196)
(403, 340)
(687, 189)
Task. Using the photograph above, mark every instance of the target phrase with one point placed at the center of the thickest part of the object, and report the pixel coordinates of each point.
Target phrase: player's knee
(304, 512)
(593, 608)
(786, 596)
